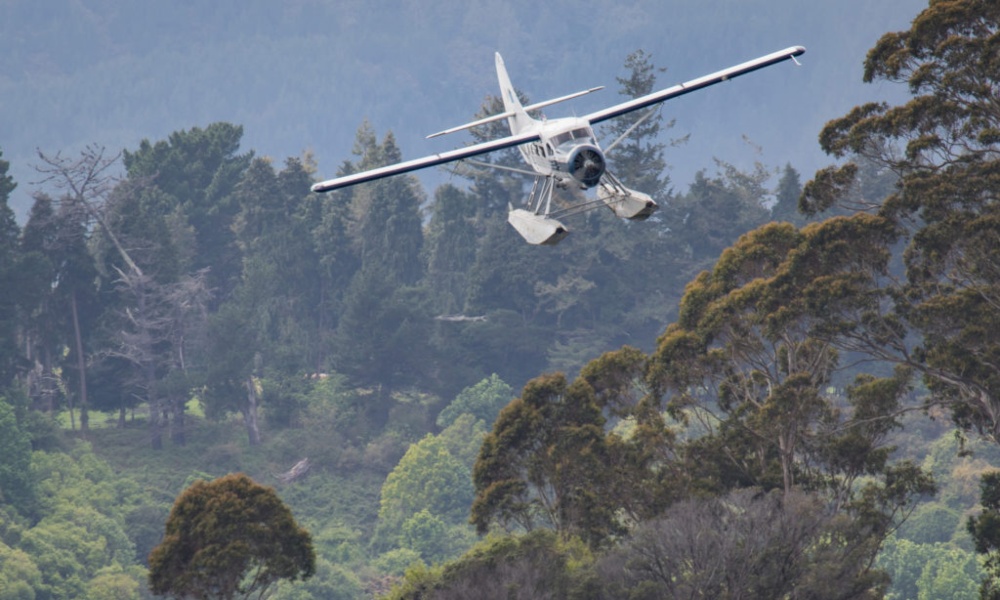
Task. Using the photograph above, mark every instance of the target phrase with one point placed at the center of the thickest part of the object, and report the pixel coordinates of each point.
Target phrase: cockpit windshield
(583, 133)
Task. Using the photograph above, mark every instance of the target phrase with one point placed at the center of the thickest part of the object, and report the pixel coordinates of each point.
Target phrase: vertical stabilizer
(519, 119)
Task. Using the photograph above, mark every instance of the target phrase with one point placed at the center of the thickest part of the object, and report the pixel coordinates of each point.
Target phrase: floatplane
(562, 153)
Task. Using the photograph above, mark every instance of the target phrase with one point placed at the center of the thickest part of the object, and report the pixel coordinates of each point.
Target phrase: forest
(780, 386)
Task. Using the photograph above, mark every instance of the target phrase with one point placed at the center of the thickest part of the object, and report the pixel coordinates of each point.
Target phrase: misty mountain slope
(305, 75)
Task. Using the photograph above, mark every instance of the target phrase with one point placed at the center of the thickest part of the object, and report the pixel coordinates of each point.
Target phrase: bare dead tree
(160, 318)
(748, 544)
(157, 326)
(87, 183)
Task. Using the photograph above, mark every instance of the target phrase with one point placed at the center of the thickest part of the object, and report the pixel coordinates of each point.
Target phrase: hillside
(780, 385)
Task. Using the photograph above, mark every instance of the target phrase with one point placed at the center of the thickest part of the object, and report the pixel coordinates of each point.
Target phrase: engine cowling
(586, 164)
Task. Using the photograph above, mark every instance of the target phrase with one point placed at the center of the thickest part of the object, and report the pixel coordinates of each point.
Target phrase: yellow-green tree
(229, 538)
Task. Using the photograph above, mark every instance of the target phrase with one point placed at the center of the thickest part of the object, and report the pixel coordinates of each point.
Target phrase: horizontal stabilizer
(510, 113)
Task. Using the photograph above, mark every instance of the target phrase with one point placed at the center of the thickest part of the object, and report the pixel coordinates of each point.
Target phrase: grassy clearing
(323, 498)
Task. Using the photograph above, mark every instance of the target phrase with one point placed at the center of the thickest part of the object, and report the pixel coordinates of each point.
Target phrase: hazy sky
(304, 75)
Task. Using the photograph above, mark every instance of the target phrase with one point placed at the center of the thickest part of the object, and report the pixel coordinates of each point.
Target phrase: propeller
(587, 165)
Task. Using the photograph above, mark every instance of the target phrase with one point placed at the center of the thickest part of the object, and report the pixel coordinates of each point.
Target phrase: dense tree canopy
(229, 538)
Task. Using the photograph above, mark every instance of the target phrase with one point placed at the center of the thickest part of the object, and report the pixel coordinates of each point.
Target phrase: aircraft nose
(586, 164)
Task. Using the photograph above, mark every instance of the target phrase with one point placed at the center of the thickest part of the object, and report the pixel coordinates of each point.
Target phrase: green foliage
(930, 523)
(279, 291)
(985, 531)
(757, 341)
(73, 544)
(384, 324)
(331, 582)
(451, 248)
(20, 577)
(483, 400)
(715, 211)
(383, 331)
(463, 438)
(430, 478)
(197, 169)
(226, 537)
(11, 274)
(904, 562)
(78, 541)
(638, 158)
(786, 196)
(926, 571)
(398, 560)
(17, 487)
(536, 565)
(941, 144)
(949, 574)
(115, 583)
(434, 539)
(547, 463)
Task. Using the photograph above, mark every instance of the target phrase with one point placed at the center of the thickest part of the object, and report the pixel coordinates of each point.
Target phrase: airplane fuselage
(566, 149)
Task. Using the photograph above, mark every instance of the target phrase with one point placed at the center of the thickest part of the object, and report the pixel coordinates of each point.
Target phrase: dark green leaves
(226, 537)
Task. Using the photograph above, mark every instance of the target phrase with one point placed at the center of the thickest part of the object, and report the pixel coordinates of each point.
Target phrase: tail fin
(519, 119)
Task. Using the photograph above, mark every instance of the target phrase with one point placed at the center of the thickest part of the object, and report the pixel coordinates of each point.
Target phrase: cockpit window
(582, 133)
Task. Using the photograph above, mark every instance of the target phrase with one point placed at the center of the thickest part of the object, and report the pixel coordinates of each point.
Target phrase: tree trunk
(155, 410)
(177, 429)
(250, 412)
(80, 364)
(155, 429)
(47, 387)
(72, 415)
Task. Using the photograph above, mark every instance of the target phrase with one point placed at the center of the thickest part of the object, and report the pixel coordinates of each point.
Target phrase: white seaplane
(561, 152)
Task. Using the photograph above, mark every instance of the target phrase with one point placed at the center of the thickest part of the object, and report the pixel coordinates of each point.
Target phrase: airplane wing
(427, 161)
(695, 84)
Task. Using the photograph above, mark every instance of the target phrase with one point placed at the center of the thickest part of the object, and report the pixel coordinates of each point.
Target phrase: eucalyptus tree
(757, 343)
(942, 144)
(746, 543)
(551, 461)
